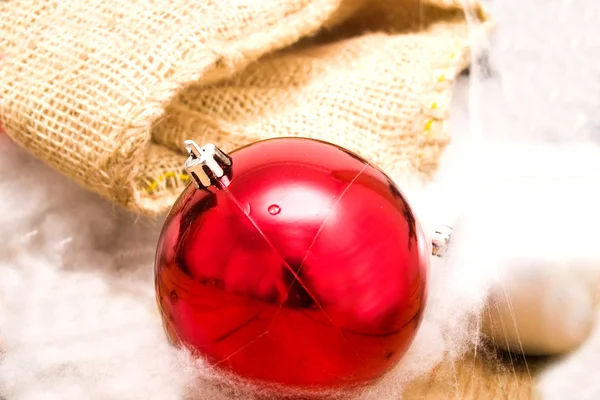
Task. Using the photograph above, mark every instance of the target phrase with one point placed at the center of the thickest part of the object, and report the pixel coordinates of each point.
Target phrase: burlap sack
(106, 91)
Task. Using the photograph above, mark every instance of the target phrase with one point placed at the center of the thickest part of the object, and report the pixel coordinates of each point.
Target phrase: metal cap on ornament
(440, 239)
(206, 164)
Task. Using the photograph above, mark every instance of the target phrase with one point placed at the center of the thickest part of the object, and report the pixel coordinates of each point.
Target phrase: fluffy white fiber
(78, 317)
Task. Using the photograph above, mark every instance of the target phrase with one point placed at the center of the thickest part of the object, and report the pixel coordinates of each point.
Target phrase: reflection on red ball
(308, 270)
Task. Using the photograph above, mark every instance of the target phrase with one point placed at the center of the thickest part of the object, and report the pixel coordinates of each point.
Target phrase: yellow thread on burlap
(177, 175)
(441, 78)
(428, 126)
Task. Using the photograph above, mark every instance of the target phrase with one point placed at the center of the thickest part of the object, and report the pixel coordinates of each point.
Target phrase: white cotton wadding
(544, 61)
(77, 313)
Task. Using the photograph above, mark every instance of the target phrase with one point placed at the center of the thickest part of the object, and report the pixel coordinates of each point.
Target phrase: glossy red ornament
(306, 268)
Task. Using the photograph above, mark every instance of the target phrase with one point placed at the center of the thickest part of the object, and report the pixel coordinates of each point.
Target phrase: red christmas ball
(305, 268)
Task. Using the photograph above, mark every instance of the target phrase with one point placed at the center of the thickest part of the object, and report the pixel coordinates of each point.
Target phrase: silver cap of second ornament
(206, 164)
(440, 240)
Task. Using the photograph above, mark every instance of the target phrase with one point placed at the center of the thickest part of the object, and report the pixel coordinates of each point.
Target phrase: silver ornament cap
(440, 240)
(206, 164)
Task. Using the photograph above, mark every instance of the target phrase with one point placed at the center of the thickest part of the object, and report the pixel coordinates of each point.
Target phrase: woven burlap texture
(105, 91)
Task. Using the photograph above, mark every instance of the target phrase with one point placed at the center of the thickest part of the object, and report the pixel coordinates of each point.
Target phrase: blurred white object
(540, 237)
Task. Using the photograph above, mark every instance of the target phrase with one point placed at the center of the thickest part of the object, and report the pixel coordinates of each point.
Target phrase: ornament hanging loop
(206, 165)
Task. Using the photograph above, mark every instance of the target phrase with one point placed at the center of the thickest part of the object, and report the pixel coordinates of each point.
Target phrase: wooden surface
(494, 375)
